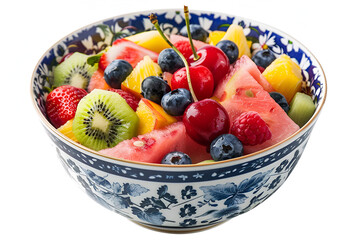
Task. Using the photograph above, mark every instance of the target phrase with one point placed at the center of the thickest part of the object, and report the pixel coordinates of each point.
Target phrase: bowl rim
(250, 156)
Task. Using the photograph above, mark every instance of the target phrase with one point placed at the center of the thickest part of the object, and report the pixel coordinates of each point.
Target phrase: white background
(319, 201)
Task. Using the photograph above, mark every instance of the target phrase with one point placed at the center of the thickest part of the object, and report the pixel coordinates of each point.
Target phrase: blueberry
(175, 102)
(170, 61)
(154, 88)
(230, 49)
(281, 100)
(263, 58)
(116, 72)
(226, 146)
(176, 158)
(197, 32)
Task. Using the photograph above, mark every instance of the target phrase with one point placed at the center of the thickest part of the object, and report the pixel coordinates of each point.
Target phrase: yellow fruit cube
(152, 116)
(145, 68)
(236, 34)
(151, 40)
(66, 129)
(215, 37)
(284, 75)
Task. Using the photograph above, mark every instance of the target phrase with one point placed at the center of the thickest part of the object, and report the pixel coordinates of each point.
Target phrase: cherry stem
(155, 22)
(187, 21)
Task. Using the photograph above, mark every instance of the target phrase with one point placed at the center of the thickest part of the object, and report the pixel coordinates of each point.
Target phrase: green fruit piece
(74, 71)
(207, 161)
(301, 108)
(103, 119)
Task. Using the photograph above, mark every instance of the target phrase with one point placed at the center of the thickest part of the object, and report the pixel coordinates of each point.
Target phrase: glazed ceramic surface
(179, 198)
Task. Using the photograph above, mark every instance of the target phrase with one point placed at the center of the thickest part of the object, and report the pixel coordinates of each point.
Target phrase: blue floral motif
(188, 192)
(237, 198)
(187, 210)
(282, 166)
(188, 222)
(274, 183)
(235, 195)
(151, 215)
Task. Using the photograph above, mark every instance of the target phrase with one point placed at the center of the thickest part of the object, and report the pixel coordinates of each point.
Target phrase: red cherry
(214, 59)
(205, 120)
(201, 79)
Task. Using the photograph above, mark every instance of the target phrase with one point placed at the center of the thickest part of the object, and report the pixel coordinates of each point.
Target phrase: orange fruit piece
(66, 129)
(152, 116)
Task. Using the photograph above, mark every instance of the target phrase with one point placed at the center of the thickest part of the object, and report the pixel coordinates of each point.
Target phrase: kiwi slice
(74, 71)
(301, 108)
(103, 119)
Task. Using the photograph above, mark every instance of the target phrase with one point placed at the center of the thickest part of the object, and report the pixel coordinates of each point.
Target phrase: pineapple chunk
(145, 68)
(236, 34)
(215, 37)
(151, 40)
(285, 77)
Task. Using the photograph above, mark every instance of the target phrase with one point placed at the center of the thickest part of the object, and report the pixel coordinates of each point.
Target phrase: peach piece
(152, 116)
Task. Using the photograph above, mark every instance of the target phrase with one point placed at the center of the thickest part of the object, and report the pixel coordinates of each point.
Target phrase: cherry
(201, 79)
(214, 59)
(205, 120)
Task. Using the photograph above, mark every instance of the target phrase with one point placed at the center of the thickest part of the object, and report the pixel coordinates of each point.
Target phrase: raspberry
(250, 129)
(130, 99)
(184, 47)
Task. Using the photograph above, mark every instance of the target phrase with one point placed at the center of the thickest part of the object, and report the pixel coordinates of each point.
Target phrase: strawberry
(126, 50)
(61, 104)
(184, 47)
(130, 99)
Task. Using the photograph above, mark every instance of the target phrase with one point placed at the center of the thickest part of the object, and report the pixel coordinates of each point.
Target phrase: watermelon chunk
(250, 66)
(126, 50)
(153, 146)
(242, 93)
(247, 65)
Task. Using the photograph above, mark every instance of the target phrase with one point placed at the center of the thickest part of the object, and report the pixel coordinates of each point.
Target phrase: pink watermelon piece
(198, 44)
(153, 146)
(248, 65)
(242, 93)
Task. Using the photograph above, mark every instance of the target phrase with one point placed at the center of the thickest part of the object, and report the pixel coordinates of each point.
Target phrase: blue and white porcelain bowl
(179, 198)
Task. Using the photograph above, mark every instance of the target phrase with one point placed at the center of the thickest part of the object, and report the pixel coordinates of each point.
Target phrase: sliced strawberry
(126, 50)
(61, 104)
(130, 99)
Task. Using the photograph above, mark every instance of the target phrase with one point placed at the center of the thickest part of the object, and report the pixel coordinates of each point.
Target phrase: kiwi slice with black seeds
(103, 119)
(74, 71)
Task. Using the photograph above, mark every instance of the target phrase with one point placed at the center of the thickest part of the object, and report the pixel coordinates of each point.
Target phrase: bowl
(179, 198)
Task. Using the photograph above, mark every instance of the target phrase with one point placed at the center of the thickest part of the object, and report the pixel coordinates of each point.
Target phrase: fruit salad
(190, 98)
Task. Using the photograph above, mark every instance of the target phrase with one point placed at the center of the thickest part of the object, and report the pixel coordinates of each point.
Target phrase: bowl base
(178, 230)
